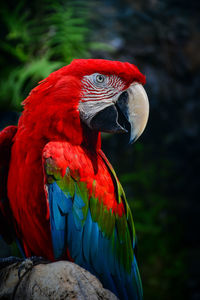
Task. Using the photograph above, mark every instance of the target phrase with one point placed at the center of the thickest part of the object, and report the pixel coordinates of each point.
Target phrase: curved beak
(129, 113)
(135, 108)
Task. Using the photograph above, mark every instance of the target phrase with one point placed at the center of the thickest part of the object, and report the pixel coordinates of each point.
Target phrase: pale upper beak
(136, 111)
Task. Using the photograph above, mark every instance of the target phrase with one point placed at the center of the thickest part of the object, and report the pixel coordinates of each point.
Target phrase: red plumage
(51, 114)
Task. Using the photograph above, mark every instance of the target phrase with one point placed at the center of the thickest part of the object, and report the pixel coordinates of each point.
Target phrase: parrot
(60, 197)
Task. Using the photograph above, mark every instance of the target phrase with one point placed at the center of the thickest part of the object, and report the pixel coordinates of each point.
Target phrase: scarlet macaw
(63, 199)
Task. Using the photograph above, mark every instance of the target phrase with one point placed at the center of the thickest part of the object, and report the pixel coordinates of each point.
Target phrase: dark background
(160, 172)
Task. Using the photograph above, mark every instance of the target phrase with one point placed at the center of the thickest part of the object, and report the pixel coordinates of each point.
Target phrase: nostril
(123, 112)
(123, 98)
(122, 103)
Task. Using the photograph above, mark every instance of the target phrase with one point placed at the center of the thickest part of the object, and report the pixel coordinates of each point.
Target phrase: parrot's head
(113, 99)
(102, 95)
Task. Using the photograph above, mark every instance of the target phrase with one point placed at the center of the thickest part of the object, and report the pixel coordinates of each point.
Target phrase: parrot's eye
(100, 78)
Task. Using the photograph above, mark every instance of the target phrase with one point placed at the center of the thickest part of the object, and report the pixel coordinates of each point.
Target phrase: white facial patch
(98, 92)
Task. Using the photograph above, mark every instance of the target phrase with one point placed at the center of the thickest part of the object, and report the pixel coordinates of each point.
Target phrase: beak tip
(133, 140)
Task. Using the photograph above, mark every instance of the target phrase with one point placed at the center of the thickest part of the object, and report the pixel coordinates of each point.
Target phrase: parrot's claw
(7, 261)
(29, 263)
(25, 264)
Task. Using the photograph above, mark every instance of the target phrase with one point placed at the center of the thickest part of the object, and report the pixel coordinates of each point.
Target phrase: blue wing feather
(87, 244)
(58, 207)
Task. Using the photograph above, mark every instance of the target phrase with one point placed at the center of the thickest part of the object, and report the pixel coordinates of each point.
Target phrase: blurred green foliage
(146, 174)
(38, 39)
(162, 269)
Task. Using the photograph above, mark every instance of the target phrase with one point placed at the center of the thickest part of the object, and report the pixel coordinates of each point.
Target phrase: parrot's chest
(91, 168)
(99, 181)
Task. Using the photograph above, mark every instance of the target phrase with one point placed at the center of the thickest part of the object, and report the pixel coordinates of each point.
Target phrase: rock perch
(56, 281)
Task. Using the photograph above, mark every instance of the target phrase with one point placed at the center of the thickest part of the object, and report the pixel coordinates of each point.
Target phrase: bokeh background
(160, 172)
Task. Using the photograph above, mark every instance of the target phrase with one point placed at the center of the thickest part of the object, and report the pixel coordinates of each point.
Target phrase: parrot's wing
(6, 141)
(96, 238)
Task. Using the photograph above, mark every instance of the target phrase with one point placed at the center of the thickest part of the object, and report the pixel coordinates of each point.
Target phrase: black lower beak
(113, 118)
(123, 113)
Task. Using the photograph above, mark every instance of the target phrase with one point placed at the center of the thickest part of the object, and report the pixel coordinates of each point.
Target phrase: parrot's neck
(52, 128)
(36, 139)
(91, 138)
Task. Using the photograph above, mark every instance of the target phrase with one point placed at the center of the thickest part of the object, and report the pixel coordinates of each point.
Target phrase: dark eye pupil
(100, 78)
